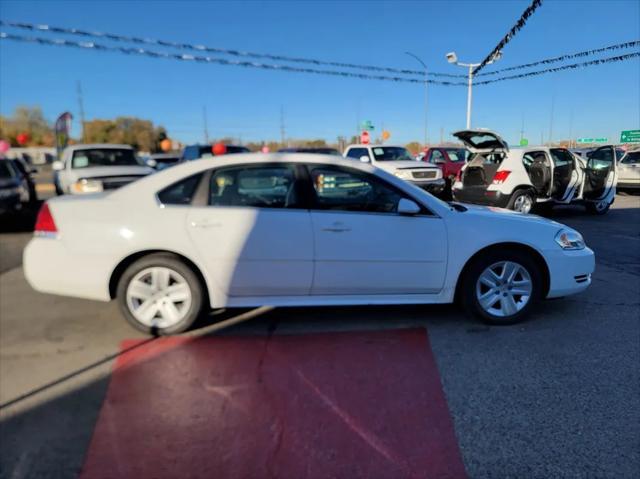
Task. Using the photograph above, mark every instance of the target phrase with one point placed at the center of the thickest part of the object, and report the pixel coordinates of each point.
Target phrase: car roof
(89, 146)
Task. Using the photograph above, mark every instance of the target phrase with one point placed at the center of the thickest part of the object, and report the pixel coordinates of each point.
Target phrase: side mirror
(57, 165)
(365, 159)
(439, 161)
(408, 207)
(152, 163)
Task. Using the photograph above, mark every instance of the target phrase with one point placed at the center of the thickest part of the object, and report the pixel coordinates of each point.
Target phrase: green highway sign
(592, 140)
(367, 125)
(524, 142)
(630, 136)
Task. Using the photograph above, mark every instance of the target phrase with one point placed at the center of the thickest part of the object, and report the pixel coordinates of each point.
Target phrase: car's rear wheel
(599, 207)
(501, 287)
(159, 294)
(522, 201)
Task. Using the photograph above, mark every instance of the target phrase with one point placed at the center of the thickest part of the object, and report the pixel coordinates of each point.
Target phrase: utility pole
(81, 107)
(426, 98)
(282, 130)
(522, 129)
(204, 122)
(571, 129)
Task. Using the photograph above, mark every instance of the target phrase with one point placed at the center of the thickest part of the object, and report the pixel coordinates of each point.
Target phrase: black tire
(173, 262)
(527, 195)
(472, 273)
(597, 209)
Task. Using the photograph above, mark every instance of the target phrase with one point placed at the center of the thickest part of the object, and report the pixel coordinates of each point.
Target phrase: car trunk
(478, 175)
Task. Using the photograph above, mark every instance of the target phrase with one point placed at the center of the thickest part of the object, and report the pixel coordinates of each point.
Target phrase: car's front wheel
(501, 287)
(159, 294)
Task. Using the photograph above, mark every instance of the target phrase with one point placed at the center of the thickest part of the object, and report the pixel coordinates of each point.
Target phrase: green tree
(141, 134)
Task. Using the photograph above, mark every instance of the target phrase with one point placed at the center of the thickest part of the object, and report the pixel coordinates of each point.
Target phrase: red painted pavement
(335, 405)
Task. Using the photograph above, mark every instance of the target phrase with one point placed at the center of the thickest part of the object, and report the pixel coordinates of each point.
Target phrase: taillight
(44, 221)
(500, 177)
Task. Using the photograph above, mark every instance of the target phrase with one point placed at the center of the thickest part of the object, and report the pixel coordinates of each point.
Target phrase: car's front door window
(349, 190)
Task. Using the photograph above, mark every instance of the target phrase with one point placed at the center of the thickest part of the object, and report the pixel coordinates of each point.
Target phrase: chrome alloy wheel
(523, 204)
(504, 288)
(158, 297)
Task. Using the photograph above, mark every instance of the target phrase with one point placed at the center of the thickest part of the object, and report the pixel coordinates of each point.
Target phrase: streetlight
(426, 86)
(453, 58)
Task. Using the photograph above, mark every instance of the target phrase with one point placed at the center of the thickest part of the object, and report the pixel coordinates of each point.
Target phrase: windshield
(392, 153)
(103, 157)
(6, 171)
(456, 154)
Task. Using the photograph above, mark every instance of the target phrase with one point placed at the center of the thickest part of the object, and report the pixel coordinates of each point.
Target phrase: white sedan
(295, 230)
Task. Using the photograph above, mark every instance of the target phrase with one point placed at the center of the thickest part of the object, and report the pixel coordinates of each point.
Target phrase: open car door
(600, 174)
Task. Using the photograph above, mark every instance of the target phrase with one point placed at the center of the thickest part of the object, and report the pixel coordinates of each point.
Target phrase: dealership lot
(558, 395)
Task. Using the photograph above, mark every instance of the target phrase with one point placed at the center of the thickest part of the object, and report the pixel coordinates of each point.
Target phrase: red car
(449, 158)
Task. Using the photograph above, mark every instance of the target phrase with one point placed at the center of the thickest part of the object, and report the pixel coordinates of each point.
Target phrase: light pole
(426, 104)
(453, 58)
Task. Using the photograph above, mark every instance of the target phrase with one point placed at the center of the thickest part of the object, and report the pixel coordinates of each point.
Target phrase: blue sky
(245, 103)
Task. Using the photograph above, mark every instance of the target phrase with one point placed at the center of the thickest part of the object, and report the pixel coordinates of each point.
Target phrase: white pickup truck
(398, 161)
(97, 167)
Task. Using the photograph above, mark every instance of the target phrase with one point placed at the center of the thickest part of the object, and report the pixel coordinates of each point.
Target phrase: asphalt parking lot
(556, 396)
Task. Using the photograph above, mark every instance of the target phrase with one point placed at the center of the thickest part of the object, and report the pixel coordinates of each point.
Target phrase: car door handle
(337, 227)
(206, 224)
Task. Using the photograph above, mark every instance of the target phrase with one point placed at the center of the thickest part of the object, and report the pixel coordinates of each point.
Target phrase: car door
(363, 246)
(253, 233)
(566, 175)
(600, 173)
(629, 169)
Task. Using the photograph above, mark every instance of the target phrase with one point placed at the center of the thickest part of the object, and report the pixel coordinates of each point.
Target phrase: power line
(573, 66)
(219, 61)
(510, 34)
(586, 53)
(203, 48)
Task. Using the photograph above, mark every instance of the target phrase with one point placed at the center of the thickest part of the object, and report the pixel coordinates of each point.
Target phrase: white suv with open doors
(523, 178)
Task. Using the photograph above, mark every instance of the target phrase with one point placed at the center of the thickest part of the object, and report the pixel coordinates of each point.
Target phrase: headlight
(570, 239)
(404, 175)
(86, 186)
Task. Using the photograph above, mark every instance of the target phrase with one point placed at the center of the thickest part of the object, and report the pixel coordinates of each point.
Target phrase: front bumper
(432, 186)
(569, 271)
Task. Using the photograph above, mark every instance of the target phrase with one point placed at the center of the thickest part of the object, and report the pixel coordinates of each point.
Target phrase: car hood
(403, 165)
(508, 215)
(106, 171)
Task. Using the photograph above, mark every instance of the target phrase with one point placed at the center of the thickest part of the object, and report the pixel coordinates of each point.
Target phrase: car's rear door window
(268, 186)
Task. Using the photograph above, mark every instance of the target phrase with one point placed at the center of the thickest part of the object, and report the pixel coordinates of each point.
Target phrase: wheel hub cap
(158, 297)
(504, 288)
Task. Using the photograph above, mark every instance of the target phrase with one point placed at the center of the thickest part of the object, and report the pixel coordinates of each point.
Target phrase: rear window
(103, 157)
(180, 193)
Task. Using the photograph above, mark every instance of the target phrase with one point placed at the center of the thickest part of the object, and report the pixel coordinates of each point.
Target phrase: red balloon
(219, 149)
(23, 138)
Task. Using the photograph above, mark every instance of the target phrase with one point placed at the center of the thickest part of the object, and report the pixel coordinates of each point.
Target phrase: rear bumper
(50, 267)
(569, 271)
(481, 196)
